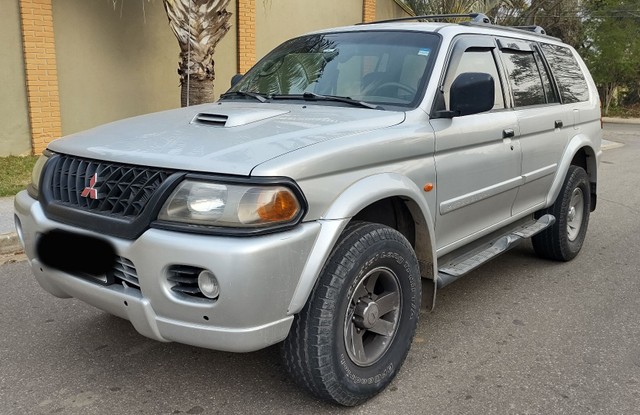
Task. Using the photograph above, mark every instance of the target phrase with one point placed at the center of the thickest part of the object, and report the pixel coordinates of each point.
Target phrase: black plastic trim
(103, 223)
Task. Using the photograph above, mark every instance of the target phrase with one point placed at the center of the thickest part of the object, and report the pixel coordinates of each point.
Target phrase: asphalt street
(520, 335)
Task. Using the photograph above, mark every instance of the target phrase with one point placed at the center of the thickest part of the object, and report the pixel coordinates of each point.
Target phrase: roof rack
(535, 29)
(475, 18)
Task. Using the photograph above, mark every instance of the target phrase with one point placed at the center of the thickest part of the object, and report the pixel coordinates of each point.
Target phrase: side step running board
(469, 261)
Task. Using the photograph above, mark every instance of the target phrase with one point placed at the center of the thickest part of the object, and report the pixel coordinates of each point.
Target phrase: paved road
(519, 336)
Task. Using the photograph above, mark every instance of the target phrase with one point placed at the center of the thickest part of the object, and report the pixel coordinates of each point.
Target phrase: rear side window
(571, 82)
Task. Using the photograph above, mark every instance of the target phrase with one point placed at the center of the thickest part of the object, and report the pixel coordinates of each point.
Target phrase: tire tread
(307, 350)
(552, 243)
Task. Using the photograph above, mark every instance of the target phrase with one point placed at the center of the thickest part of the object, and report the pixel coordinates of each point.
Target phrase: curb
(613, 120)
(9, 243)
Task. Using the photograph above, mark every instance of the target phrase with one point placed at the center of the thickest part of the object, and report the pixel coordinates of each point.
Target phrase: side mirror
(471, 93)
(235, 79)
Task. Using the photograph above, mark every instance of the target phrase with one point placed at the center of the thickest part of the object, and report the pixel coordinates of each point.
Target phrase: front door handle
(508, 133)
(559, 124)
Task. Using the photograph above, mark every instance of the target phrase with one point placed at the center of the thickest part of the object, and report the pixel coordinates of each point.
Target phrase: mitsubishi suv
(329, 194)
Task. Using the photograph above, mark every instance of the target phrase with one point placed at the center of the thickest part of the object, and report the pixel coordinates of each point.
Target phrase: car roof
(447, 30)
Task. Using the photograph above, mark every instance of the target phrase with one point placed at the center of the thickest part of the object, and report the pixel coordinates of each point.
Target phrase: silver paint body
(343, 159)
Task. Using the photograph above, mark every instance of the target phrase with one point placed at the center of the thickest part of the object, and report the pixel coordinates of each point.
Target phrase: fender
(577, 142)
(355, 198)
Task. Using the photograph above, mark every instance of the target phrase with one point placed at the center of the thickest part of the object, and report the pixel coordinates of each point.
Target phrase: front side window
(476, 60)
(381, 67)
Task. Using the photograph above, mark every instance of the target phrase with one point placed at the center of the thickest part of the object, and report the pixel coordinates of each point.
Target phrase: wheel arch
(396, 202)
(579, 152)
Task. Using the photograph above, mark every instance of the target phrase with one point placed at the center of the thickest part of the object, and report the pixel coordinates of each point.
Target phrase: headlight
(224, 205)
(34, 187)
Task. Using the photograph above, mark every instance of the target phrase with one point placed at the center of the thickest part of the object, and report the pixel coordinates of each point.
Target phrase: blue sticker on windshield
(424, 52)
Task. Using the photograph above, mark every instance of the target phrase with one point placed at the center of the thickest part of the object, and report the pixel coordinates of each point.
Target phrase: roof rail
(475, 18)
(535, 29)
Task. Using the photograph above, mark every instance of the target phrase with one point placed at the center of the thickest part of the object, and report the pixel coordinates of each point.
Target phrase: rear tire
(564, 239)
(354, 333)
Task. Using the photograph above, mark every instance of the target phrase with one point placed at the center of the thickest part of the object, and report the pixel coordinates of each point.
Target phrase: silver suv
(345, 178)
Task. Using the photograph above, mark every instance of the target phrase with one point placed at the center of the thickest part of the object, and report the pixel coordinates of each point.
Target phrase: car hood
(223, 137)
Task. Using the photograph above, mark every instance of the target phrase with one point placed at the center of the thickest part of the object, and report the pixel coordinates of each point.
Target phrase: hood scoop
(217, 120)
(235, 117)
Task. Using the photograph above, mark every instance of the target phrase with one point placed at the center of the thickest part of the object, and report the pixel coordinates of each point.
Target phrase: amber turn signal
(282, 207)
(428, 187)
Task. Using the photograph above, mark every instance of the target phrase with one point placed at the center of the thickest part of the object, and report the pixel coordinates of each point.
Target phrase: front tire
(352, 336)
(564, 239)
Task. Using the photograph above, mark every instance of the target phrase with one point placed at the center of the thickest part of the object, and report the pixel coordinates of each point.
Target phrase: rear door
(542, 121)
(477, 156)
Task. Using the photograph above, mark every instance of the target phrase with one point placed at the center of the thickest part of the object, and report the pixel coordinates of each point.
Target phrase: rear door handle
(558, 124)
(508, 133)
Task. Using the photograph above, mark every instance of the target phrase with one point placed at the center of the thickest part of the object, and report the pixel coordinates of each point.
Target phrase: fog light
(208, 284)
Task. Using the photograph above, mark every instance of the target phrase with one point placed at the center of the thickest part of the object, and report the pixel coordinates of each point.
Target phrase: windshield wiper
(312, 96)
(255, 95)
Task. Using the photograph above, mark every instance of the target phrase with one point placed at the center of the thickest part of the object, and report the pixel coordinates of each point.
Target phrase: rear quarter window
(569, 77)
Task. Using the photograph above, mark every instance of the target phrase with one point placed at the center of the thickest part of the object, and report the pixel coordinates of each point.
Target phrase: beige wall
(279, 20)
(115, 64)
(15, 137)
(389, 9)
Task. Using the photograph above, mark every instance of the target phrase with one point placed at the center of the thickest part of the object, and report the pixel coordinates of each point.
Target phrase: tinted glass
(376, 67)
(573, 87)
(524, 77)
(477, 61)
(549, 90)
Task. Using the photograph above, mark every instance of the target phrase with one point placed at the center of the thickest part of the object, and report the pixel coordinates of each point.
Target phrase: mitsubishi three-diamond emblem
(89, 191)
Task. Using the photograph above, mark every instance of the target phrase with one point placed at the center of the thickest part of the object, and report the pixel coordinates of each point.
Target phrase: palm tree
(198, 25)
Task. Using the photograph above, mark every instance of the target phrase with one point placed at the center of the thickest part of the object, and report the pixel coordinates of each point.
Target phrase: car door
(477, 157)
(543, 123)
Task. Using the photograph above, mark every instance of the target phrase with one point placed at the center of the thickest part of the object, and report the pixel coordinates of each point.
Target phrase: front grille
(124, 271)
(109, 188)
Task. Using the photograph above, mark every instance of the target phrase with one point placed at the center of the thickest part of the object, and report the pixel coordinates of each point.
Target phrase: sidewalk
(9, 243)
(614, 120)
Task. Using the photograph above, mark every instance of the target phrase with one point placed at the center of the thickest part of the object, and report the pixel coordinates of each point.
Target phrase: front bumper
(257, 276)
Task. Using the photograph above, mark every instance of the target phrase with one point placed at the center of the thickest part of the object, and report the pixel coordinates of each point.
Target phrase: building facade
(69, 65)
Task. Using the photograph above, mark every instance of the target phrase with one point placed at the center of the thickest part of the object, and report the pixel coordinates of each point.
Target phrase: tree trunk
(196, 91)
(198, 25)
(609, 88)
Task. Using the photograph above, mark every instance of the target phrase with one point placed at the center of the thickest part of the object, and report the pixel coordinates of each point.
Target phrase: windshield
(381, 68)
